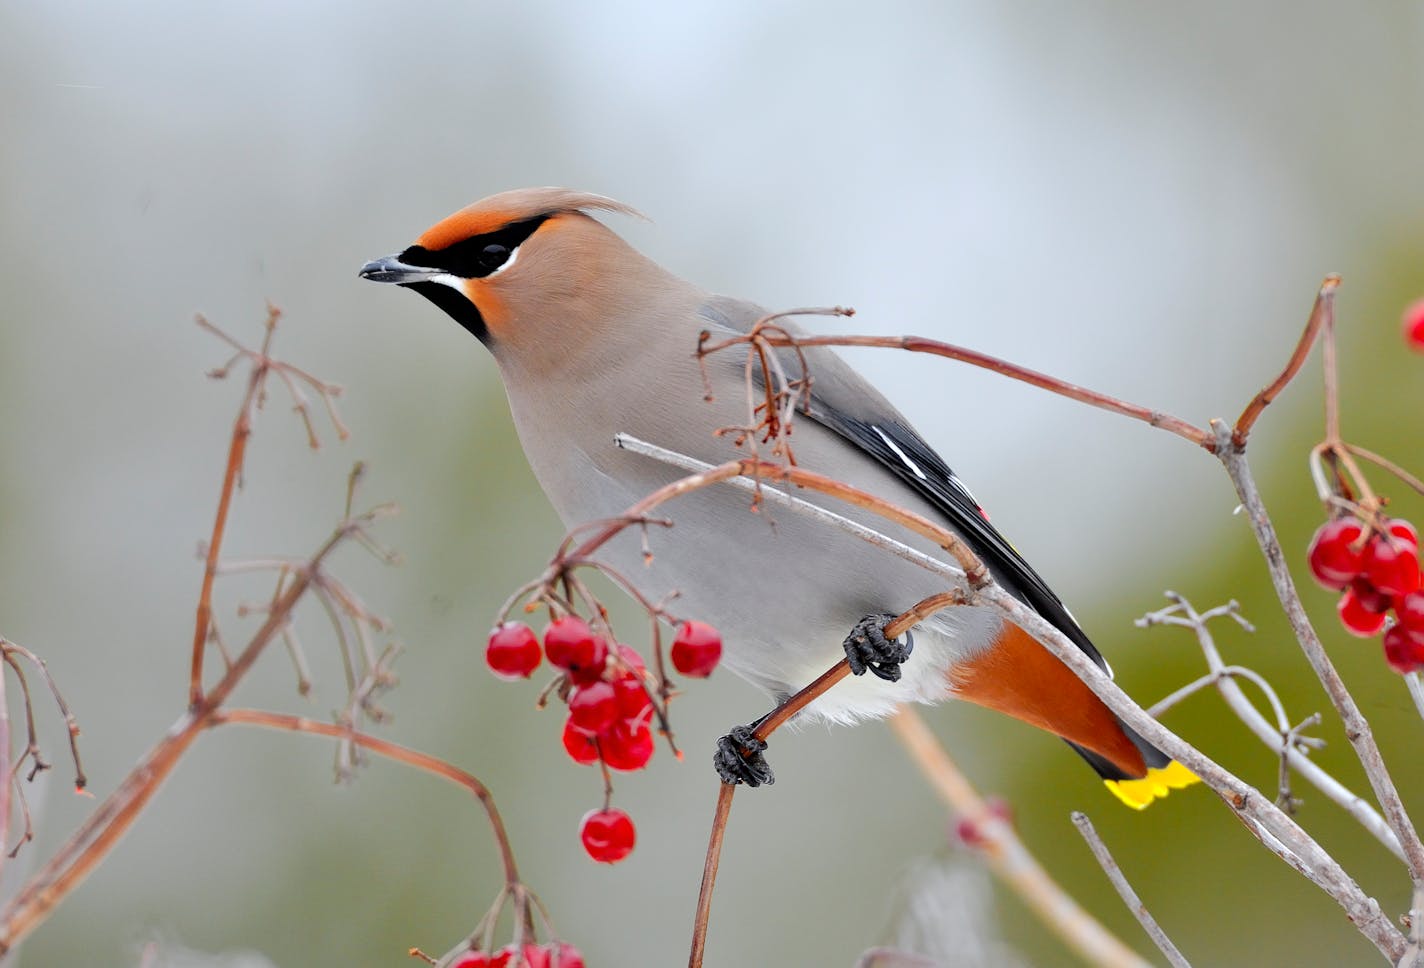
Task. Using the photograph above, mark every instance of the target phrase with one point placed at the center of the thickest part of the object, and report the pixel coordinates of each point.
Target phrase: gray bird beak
(392, 269)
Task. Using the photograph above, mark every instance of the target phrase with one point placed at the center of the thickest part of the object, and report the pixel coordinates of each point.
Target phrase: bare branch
(1357, 728)
(1125, 891)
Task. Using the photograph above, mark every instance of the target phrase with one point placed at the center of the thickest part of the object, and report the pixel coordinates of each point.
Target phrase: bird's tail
(1164, 774)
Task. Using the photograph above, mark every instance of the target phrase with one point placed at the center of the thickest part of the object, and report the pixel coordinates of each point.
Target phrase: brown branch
(393, 751)
(91, 843)
(1322, 314)
(725, 792)
(920, 344)
(237, 450)
(769, 724)
(1388, 465)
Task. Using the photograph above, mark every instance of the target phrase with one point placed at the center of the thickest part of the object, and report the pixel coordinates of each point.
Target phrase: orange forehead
(477, 219)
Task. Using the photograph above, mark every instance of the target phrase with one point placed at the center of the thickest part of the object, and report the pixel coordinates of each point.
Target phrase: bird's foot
(867, 648)
(738, 759)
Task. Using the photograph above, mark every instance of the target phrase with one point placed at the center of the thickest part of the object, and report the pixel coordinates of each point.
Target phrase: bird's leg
(738, 758)
(867, 648)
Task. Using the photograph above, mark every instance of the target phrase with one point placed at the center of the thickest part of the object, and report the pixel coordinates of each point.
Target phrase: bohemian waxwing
(592, 339)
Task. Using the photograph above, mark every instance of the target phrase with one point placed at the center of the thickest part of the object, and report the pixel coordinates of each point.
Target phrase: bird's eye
(494, 255)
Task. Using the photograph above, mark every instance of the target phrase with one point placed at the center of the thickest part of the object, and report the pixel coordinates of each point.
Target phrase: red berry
(696, 649)
(582, 746)
(1357, 615)
(1409, 609)
(633, 701)
(1405, 532)
(627, 746)
(1403, 649)
(513, 651)
(471, 959)
(1332, 556)
(563, 955)
(571, 644)
(1414, 326)
(509, 957)
(593, 707)
(968, 832)
(1392, 565)
(607, 835)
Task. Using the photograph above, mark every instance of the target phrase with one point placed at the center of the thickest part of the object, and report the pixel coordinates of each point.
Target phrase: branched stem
(393, 751)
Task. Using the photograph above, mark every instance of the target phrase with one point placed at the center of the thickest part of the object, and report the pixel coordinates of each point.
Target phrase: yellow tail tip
(1158, 782)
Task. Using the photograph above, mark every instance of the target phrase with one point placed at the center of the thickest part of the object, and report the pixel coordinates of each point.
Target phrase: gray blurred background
(1138, 199)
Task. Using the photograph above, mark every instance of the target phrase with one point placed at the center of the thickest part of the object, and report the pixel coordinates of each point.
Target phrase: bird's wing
(843, 402)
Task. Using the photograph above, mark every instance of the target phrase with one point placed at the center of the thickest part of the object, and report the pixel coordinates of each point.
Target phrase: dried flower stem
(393, 751)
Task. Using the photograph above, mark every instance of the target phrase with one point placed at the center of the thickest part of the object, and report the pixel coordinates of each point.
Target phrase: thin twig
(393, 751)
(919, 344)
(1388, 465)
(725, 792)
(1183, 614)
(1129, 896)
(98, 835)
(1321, 314)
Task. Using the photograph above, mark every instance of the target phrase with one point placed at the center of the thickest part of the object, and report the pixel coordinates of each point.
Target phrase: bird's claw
(738, 759)
(867, 648)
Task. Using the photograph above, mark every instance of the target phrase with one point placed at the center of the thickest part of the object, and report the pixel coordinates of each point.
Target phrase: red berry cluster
(610, 707)
(555, 954)
(1378, 570)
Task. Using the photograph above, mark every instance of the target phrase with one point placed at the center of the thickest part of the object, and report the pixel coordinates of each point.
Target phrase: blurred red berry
(630, 655)
(1357, 615)
(581, 745)
(607, 835)
(1392, 565)
(1414, 326)
(1409, 609)
(513, 651)
(1403, 649)
(570, 644)
(696, 649)
(1332, 556)
(1371, 598)
(471, 959)
(563, 955)
(509, 957)
(968, 832)
(626, 746)
(593, 707)
(1405, 532)
(633, 700)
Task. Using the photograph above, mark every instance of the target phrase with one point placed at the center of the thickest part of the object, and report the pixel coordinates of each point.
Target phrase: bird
(593, 339)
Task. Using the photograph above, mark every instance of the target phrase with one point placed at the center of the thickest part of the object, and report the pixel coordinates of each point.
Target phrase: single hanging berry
(607, 835)
(1333, 558)
(513, 651)
(696, 649)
